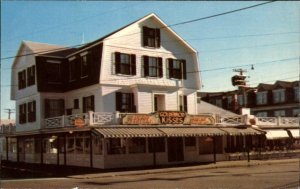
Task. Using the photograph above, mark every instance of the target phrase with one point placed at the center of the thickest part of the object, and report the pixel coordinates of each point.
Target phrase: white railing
(104, 118)
(277, 121)
(231, 120)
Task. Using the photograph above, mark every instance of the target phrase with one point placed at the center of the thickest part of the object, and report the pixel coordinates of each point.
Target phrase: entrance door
(175, 149)
(159, 102)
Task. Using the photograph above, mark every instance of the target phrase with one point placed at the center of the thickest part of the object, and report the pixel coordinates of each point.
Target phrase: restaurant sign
(140, 119)
(171, 117)
(201, 120)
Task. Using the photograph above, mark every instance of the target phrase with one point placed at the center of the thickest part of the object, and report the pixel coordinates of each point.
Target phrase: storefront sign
(79, 122)
(140, 119)
(172, 117)
(201, 120)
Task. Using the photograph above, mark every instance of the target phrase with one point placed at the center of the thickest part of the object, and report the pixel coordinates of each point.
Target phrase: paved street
(266, 176)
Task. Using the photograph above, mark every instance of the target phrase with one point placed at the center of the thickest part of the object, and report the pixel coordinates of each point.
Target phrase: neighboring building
(266, 100)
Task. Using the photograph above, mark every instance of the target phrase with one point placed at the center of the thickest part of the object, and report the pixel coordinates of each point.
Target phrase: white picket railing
(277, 121)
(231, 120)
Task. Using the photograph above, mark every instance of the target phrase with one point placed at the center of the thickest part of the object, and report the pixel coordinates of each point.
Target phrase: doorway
(159, 102)
(175, 149)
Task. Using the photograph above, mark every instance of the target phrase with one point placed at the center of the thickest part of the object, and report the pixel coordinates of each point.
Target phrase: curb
(223, 164)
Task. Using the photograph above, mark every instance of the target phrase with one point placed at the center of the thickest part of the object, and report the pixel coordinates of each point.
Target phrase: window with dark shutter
(22, 79)
(31, 108)
(125, 102)
(22, 113)
(125, 63)
(151, 37)
(88, 104)
(31, 76)
(76, 104)
(176, 69)
(83, 66)
(54, 107)
(152, 66)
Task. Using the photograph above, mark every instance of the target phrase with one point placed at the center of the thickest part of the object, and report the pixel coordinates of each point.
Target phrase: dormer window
(151, 37)
(279, 95)
(22, 79)
(261, 98)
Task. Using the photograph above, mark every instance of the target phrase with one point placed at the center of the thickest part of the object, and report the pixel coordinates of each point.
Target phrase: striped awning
(242, 131)
(132, 132)
(276, 134)
(191, 131)
(295, 133)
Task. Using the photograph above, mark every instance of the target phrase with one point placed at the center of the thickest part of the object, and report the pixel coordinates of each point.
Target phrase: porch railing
(5, 129)
(231, 120)
(277, 121)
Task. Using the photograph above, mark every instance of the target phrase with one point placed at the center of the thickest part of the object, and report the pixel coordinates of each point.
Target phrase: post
(154, 151)
(65, 149)
(214, 149)
(91, 149)
(42, 149)
(18, 150)
(6, 138)
(58, 147)
(91, 118)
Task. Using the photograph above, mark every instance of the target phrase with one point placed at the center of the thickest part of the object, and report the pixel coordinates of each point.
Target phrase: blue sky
(266, 36)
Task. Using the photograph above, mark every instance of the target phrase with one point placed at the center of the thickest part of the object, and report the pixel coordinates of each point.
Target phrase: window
(206, 145)
(88, 104)
(262, 114)
(31, 76)
(125, 63)
(280, 113)
(22, 79)
(151, 37)
(153, 66)
(176, 69)
(84, 66)
(97, 145)
(22, 113)
(116, 146)
(183, 103)
(261, 98)
(156, 145)
(242, 100)
(31, 106)
(137, 145)
(125, 102)
(53, 72)
(279, 95)
(219, 102)
(54, 107)
(297, 94)
(73, 70)
(229, 101)
(190, 141)
(76, 103)
(296, 112)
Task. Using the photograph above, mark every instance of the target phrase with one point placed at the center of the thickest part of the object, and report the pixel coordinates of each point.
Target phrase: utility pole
(9, 111)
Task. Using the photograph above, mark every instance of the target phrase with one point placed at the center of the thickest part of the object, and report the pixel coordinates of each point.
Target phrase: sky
(266, 36)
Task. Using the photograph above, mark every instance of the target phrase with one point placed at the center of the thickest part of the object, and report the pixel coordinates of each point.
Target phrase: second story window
(54, 107)
(152, 66)
(72, 70)
(31, 106)
(88, 104)
(31, 76)
(261, 98)
(84, 66)
(176, 69)
(279, 96)
(125, 63)
(219, 102)
(53, 72)
(22, 113)
(262, 114)
(125, 102)
(151, 37)
(280, 113)
(22, 79)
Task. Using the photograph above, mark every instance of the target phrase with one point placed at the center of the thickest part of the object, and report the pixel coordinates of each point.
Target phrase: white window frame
(278, 95)
(262, 98)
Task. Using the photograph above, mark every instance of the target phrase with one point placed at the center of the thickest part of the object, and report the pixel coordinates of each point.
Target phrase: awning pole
(214, 148)
(91, 149)
(6, 148)
(65, 149)
(42, 149)
(18, 150)
(58, 147)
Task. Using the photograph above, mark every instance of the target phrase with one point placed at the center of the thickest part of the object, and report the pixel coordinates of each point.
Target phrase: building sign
(140, 119)
(171, 117)
(79, 122)
(201, 120)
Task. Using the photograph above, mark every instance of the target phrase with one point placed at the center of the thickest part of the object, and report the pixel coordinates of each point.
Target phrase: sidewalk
(222, 164)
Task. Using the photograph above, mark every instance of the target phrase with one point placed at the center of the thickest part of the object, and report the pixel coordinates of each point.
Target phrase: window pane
(137, 145)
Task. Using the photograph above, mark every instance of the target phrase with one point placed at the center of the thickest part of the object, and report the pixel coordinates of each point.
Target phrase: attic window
(151, 37)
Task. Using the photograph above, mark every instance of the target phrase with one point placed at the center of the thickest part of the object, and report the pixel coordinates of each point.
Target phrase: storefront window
(97, 145)
(206, 145)
(190, 141)
(116, 146)
(12, 147)
(29, 146)
(137, 145)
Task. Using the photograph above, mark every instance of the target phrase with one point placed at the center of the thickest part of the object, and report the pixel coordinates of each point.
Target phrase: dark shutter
(160, 68)
(61, 107)
(93, 103)
(29, 111)
(118, 62)
(269, 97)
(25, 113)
(28, 76)
(133, 64)
(118, 101)
(185, 103)
(20, 114)
(84, 104)
(146, 66)
(170, 64)
(183, 69)
(34, 111)
(145, 36)
(131, 99)
(47, 108)
(157, 37)
(19, 80)
(24, 79)
(289, 95)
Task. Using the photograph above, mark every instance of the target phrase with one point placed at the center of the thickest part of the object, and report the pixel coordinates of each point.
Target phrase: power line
(168, 26)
